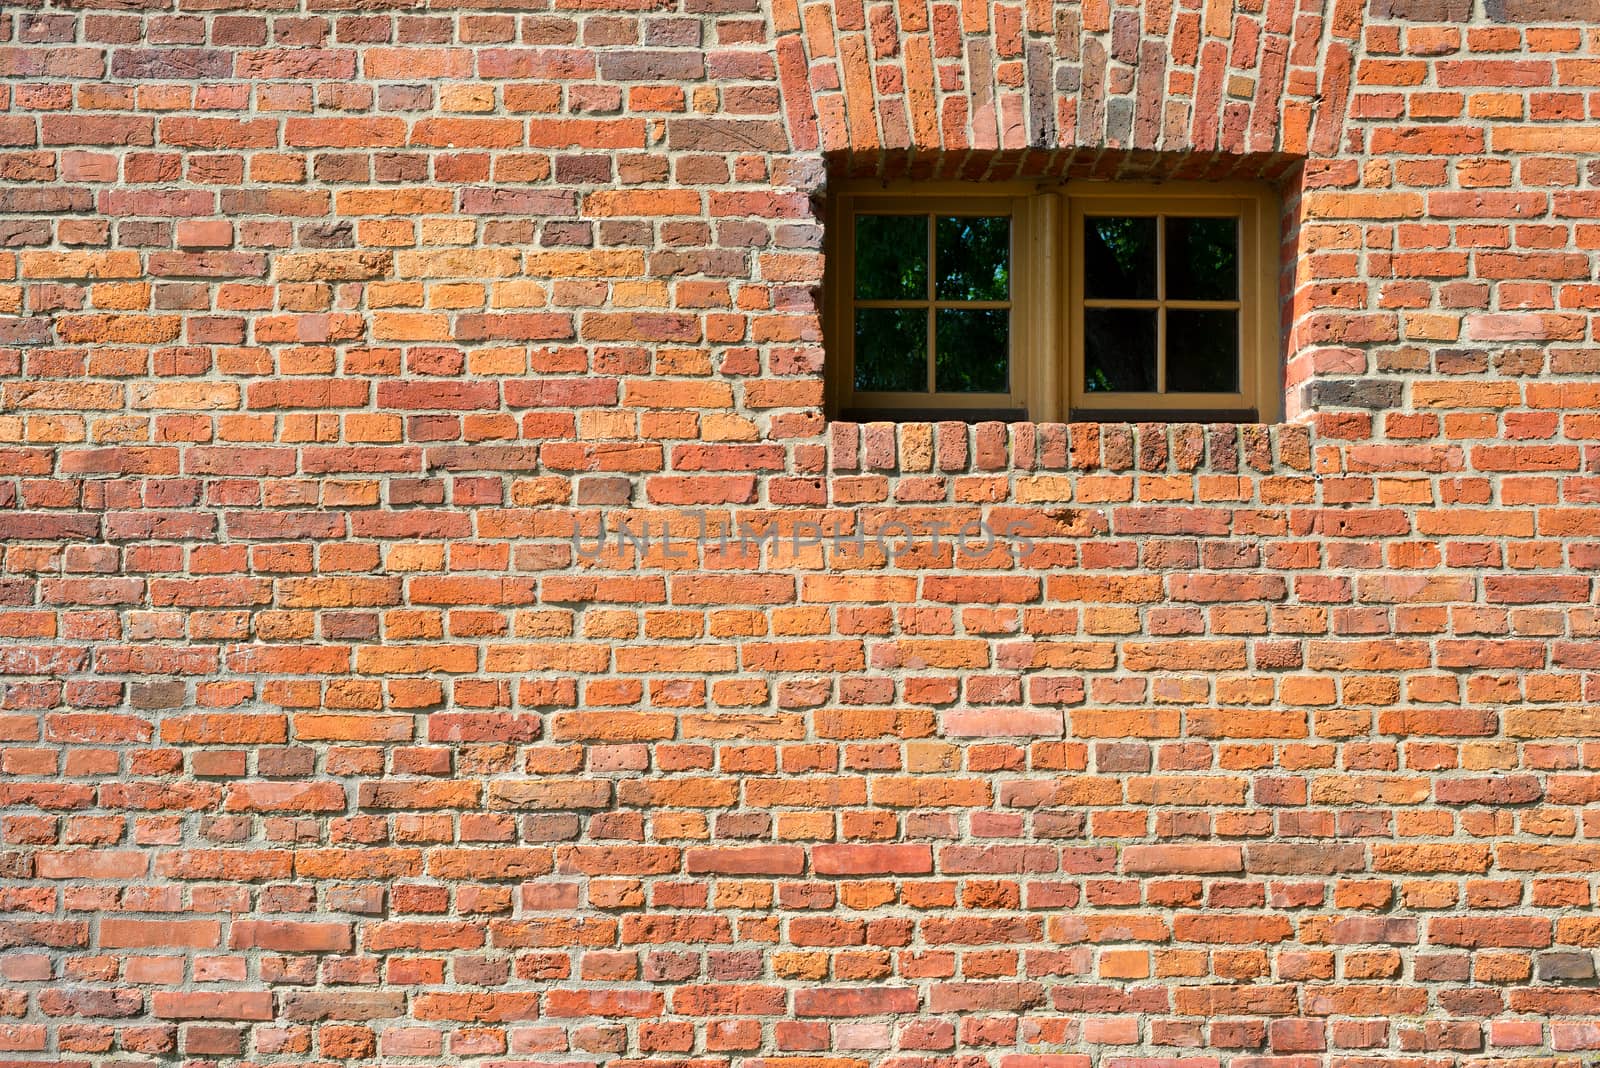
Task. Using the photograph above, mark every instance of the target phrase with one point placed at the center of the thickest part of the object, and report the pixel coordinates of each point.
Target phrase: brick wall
(324, 324)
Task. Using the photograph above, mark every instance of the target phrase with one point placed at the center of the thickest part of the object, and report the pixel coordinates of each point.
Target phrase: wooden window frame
(1047, 300)
(979, 200)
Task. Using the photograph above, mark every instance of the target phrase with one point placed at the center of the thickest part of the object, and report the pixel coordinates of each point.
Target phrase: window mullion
(1161, 303)
(933, 313)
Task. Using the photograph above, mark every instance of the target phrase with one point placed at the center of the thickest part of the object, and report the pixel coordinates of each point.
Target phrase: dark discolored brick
(1564, 967)
(1424, 10)
(15, 233)
(1542, 11)
(171, 63)
(340, 234)
(1356, 393)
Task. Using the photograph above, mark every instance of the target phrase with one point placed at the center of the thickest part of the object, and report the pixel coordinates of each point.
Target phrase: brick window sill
(950, 447)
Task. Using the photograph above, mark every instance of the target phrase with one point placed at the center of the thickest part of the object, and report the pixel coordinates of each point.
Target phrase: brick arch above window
(1172, 76)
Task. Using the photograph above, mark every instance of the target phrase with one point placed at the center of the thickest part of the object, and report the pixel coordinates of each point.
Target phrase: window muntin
(1118, 301)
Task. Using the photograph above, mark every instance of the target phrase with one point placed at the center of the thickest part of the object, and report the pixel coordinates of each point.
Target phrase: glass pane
(1202, 259)
(892, 257)
(1202, 351)
(973, 254)
(1119, 350)
(892, 350)
(1119, 257)
(973, 351)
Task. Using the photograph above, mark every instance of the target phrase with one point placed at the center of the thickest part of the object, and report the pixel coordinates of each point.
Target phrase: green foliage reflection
(1202, 259)
(891, 257)
(973, 350)
(973, 253)
(1119, 257)
(892, 350)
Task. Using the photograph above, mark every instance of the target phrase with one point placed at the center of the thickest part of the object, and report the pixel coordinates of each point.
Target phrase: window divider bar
(1161, 307)
(931, 232)
(980, 305)
(1138, 302)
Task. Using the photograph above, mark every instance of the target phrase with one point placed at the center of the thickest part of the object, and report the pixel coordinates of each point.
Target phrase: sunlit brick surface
(324, 325)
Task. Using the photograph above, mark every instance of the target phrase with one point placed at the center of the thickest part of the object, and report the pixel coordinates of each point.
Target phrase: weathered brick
(323, 333)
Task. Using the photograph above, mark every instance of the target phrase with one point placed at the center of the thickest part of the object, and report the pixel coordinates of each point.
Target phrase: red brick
(1178, 859)
(847, 1001)
(321, 335)
(290, 936)
(864, 859)
(748, 860)
(228, 1005)
(160, 934)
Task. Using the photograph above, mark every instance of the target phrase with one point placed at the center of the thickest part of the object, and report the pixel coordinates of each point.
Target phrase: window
(1093, 300)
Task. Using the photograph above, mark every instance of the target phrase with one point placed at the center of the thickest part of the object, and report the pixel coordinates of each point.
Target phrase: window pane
(1119, 257)
(973, 254)
(892, 350)
(1119, 350)
(892, 257)
(1202, 351)
(1202, 259)
(973, 350)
